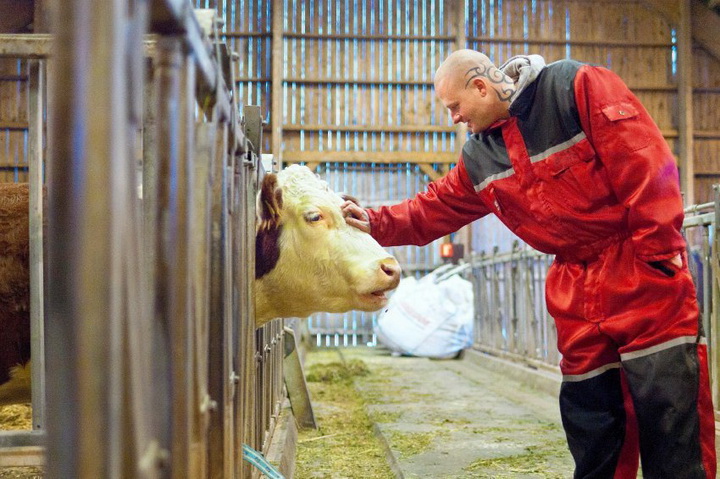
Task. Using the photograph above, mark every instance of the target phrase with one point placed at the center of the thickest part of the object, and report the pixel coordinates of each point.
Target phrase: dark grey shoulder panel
(546, 110)
(486, 157)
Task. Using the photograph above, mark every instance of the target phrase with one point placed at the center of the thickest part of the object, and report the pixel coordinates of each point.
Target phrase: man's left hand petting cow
(307, 260)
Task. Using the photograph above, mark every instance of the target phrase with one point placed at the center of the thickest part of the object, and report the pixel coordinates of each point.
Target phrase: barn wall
(355, 97)
(356, 77)
(352, 90)
(13, 119)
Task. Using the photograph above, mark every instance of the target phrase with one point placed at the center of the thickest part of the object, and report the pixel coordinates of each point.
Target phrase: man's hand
(356, 216)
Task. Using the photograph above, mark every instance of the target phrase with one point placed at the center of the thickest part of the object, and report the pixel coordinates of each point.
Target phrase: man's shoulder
(564, 69)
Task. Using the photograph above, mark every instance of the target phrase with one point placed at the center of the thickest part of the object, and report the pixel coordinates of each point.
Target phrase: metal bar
(22, 456)
(172, 239)
(22, 439)
(40, 45)
(714, 333)
(37, 283)
(87, 148)
(152, 352)
(220, 381)
(202, 404)
(36, 45)
(699, 220)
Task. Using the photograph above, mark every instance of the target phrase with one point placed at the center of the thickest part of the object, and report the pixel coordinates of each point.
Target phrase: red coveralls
(581, 171)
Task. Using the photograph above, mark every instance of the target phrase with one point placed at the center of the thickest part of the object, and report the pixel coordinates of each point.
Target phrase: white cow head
(308, 259)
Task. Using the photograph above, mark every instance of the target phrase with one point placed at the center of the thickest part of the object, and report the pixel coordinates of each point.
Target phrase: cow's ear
(269, 202)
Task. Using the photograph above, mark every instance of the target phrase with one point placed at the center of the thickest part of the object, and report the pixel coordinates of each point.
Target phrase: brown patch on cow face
(267, 236)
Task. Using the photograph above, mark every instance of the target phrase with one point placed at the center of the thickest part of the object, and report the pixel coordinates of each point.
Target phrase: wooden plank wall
(356, 83)
(706, 116)
(13, 120)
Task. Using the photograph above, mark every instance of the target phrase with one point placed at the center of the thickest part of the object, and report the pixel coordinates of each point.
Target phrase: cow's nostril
(391, 269)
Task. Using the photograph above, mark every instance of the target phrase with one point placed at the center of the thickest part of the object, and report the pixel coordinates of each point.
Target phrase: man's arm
(447, 205)
(641, 168)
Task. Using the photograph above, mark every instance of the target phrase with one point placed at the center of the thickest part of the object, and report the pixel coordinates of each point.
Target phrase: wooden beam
(418, 157)
(563, 42)
(428, 170)
(705, 27)
(373, 128)
(670, 9)
(276, 110)
(685, 103)
(13, 125)
(461, 40)
(705, 22)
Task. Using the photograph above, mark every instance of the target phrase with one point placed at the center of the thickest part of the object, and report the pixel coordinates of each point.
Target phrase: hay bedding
(17, 417)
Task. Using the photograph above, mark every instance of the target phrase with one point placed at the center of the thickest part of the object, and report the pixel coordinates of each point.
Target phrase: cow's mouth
(378, 297)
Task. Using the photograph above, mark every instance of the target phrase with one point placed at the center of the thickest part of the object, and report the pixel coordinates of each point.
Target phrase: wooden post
(276, 118)
(461, 131)
(685, 104)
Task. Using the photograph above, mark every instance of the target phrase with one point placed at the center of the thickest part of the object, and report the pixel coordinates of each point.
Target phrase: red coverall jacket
(581, 171)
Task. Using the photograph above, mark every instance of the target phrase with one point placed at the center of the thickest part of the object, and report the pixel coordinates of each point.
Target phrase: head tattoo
(495, 76)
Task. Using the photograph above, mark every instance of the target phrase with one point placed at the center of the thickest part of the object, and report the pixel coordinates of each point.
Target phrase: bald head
(473, 89)
(461, 67)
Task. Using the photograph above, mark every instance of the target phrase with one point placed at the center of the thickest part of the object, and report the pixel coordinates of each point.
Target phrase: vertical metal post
(202, 405)
(221, 375)
(714, 321)
(88, 152)
(37, 283)
(173, 195)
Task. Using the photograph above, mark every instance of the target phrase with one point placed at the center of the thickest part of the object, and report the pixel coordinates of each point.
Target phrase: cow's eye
(313, 216)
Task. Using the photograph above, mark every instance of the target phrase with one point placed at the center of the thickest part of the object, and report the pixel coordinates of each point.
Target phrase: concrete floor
(461, 419)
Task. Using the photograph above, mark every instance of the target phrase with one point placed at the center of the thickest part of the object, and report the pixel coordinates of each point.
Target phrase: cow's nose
(392, 269)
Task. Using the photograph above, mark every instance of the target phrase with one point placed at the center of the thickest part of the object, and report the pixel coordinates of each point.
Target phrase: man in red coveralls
(567, 157)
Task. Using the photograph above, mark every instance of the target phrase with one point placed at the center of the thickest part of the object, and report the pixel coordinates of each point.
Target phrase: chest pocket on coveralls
(626, 132)
(577, 178)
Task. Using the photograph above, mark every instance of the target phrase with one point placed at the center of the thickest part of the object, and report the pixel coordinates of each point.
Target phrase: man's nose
(456, 119)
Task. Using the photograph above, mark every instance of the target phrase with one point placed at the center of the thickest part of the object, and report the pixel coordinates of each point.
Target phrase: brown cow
(14, 294)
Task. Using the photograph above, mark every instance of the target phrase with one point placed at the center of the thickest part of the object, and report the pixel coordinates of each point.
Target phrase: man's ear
(269, 203)
(480, 85)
